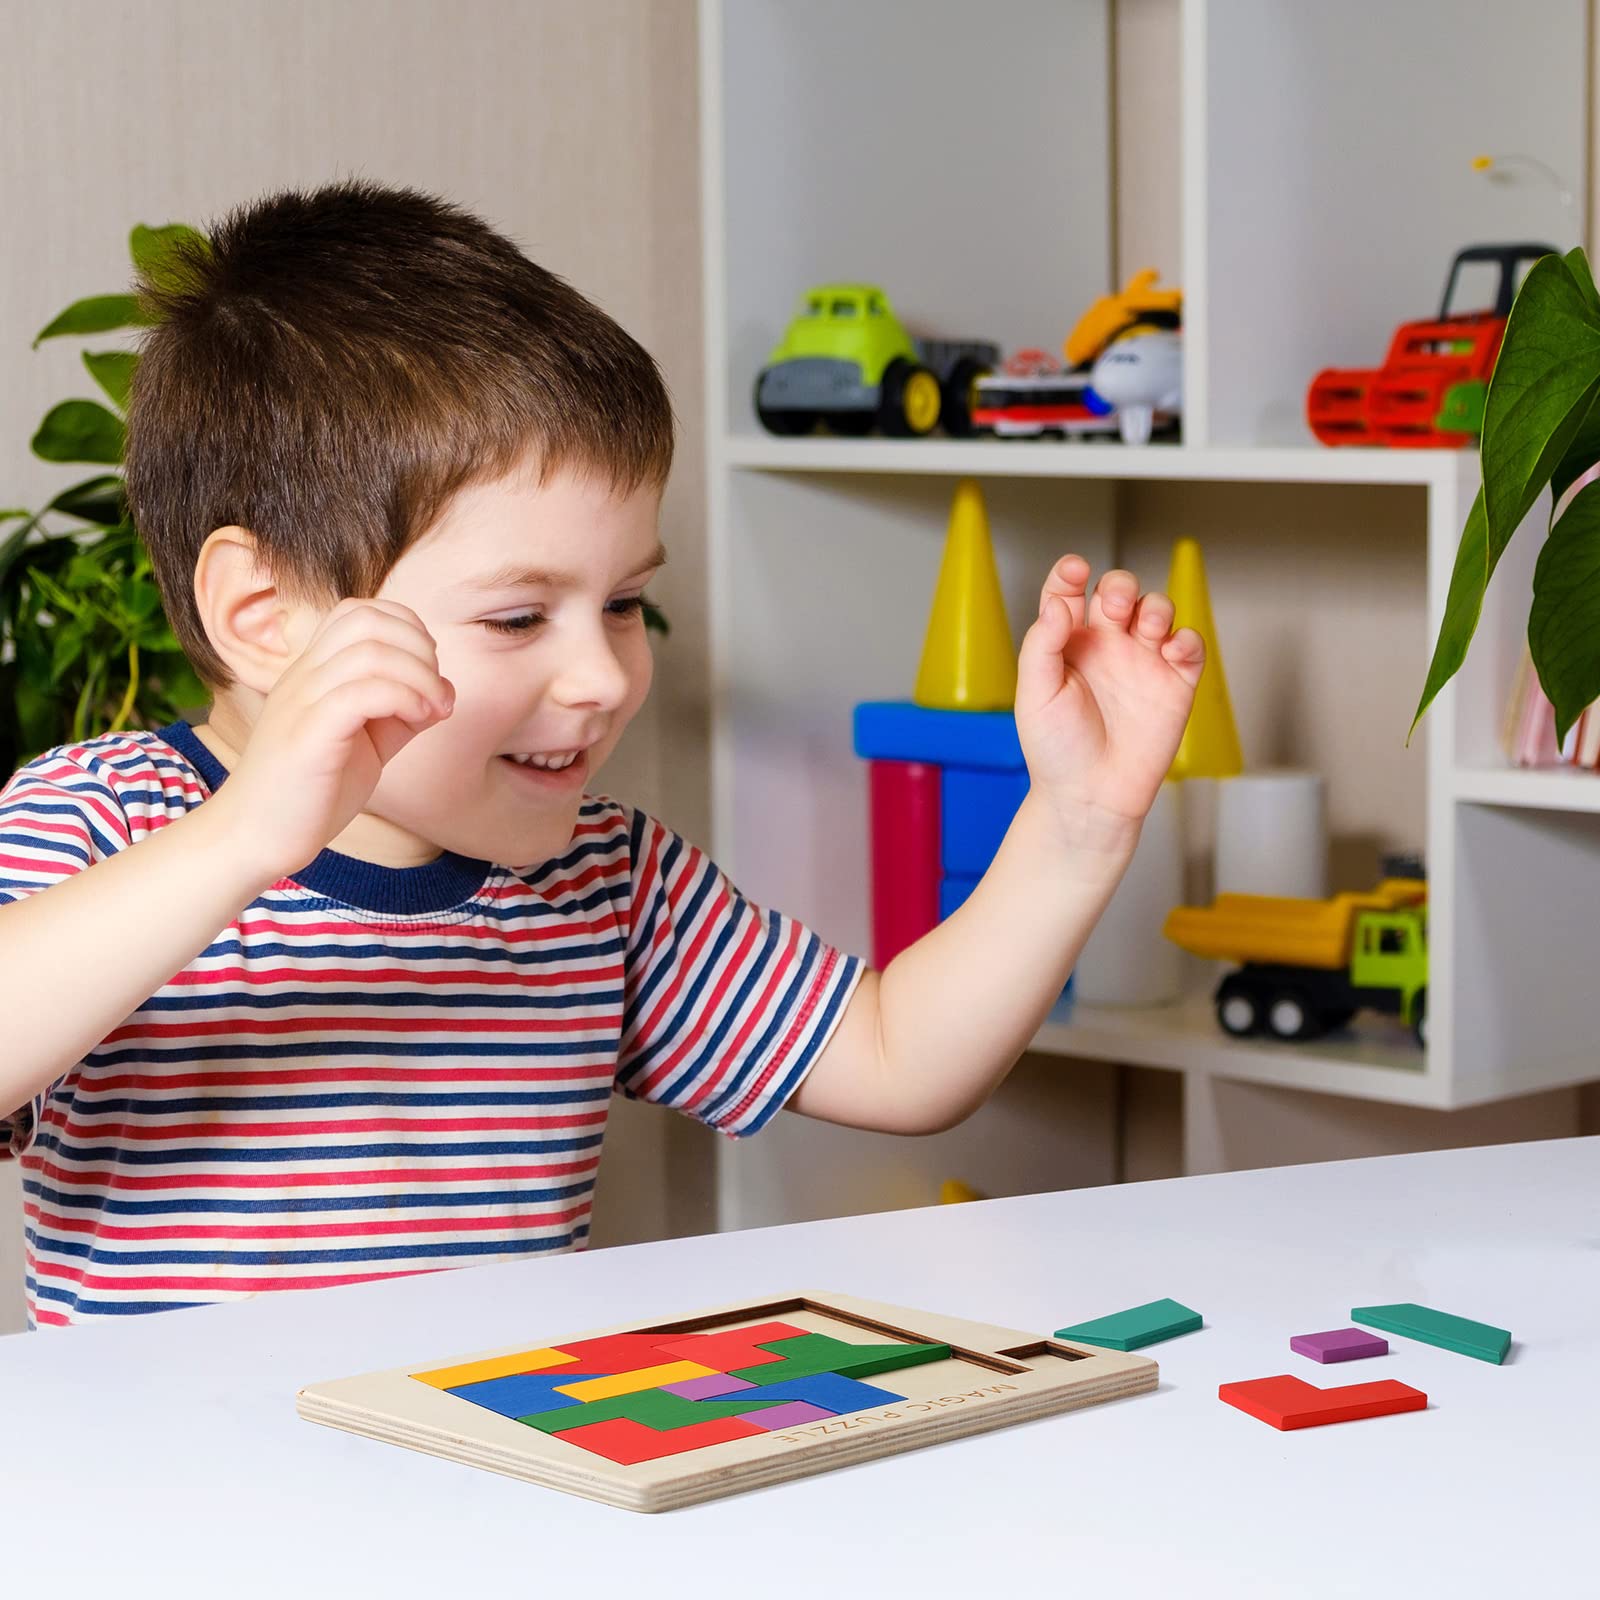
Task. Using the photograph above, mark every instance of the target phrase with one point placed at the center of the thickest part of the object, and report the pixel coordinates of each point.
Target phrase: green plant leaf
(1462, 607)
(1578, 265)
(98, 500)
(100, 313)
(66, 647)
(80, 430)
(153, 250)
(1564, 622)
(1545, 381)
(113, 371)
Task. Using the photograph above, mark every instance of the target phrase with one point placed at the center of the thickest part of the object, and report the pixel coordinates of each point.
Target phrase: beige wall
(570, 124)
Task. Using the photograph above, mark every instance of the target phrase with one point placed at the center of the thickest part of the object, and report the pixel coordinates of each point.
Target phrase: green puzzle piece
(1127, 1330)
(1480, 1340)
(814, 1353)
(655, 1408)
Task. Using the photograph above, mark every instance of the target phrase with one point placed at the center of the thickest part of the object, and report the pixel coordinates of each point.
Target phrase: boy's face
(531, 592)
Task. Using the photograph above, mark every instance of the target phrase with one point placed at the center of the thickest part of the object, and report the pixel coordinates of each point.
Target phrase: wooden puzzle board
(776, 1404)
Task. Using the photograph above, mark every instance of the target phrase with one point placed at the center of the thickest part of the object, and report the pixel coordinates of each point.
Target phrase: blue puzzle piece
(975, 809)
(524, 1394)
(897, 730)
(830, 1391)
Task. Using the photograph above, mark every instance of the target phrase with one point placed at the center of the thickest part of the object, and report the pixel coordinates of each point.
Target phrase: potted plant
(1541, 429)
(85, 647)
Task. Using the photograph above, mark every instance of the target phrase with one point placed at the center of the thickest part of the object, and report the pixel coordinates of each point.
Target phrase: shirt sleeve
(726, 1006)
(56, 818)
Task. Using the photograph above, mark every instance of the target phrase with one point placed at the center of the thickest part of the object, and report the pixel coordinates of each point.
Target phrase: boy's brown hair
(338, 363)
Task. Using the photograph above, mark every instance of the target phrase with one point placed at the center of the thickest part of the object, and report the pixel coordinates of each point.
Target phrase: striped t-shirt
(376, 1071)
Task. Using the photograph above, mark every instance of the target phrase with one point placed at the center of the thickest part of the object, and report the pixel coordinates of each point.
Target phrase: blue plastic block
(523, 1394)
(975, 809)
(897, 730)
(952, 891)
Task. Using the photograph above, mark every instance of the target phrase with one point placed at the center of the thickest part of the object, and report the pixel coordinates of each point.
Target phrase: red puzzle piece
(736, 1348)
(1286, 1402)
(617, 1352)
(628, 1442)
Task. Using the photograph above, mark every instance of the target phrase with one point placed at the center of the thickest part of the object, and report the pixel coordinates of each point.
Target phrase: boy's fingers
(1152, 620)
(1040, 669)
(375, 659)
(1113, 601)
(343, 628)
(1185, 653)
(1069, 579)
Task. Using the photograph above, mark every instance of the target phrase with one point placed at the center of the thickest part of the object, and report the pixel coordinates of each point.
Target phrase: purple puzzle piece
(776, 1418)
(1339, 1344)
(709, 1387)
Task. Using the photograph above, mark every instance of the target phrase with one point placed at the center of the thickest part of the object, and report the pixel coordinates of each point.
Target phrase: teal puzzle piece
(1128, 1330)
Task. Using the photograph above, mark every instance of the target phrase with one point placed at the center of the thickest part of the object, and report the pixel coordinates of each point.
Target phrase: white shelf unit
(823, 550)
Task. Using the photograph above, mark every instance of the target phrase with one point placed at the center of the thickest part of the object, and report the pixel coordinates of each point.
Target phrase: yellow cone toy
(968, 663)
(1210, 744)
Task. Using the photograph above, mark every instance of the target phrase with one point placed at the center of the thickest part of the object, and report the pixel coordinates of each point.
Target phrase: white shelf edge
(1374, 1060)
(1056, 459)
(1544, 788)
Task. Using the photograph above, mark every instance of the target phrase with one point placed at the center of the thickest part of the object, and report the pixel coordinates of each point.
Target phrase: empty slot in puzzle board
(655, 1415)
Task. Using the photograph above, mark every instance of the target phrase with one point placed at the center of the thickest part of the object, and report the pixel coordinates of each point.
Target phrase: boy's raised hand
(1104, 687)
(364, 687)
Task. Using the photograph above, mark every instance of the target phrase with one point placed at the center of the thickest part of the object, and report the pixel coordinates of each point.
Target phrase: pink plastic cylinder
(905, 855)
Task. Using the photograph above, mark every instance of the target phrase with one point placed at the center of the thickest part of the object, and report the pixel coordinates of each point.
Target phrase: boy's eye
(523, 624)
(630, 606)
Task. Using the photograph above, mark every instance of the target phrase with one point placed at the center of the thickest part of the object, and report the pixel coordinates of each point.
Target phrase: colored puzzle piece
(653, 1408)
(617, 1352)
(727, 1352)
(830, 1390)
(632, 1382)
(1129, 1330)
(774, 1419)
(1339, 1344)
(708, 1388)
(497, 1367)
(1286, 1402)
(628, 1443)
(520, 1395)
(815, 1353)
(1481, 1340)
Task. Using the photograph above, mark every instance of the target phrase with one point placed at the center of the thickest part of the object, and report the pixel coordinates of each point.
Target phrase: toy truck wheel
(960, 394)
(1419, 1025)
(1239, 1008)
(784, 422)
(908, 400)
(1290, 1016)
(850, 424)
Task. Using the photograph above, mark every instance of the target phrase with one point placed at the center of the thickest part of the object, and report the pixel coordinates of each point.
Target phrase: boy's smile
(532, 595)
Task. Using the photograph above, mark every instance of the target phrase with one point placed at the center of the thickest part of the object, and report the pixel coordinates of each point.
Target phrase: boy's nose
(591, 675)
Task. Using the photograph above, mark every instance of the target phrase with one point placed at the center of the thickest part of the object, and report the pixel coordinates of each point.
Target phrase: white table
(164, 1455)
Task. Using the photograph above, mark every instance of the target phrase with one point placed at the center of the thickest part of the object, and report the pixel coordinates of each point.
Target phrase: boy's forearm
(958, 1007)
(80, 957)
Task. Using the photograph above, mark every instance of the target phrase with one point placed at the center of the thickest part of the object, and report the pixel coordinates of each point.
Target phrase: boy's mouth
(550, 768)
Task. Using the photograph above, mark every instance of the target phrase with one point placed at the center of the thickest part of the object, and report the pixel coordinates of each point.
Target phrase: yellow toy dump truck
(1310, 965)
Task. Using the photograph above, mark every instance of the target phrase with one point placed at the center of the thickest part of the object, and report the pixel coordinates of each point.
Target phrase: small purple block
(709, 1387)
(1341, 1344)
(776, 1418)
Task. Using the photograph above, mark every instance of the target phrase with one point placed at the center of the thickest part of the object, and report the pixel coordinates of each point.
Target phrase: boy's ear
(250, 622)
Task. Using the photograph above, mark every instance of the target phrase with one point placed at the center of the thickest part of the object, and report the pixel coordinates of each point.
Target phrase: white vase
(1272, 834)
(1127, 960)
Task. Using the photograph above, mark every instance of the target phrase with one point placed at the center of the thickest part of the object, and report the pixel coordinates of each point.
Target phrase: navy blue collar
(435, 886)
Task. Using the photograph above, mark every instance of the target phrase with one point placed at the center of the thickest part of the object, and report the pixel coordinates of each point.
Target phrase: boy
(400, 487)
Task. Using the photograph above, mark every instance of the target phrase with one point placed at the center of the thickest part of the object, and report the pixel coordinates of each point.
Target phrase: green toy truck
(848, 363)
(1310, 965)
